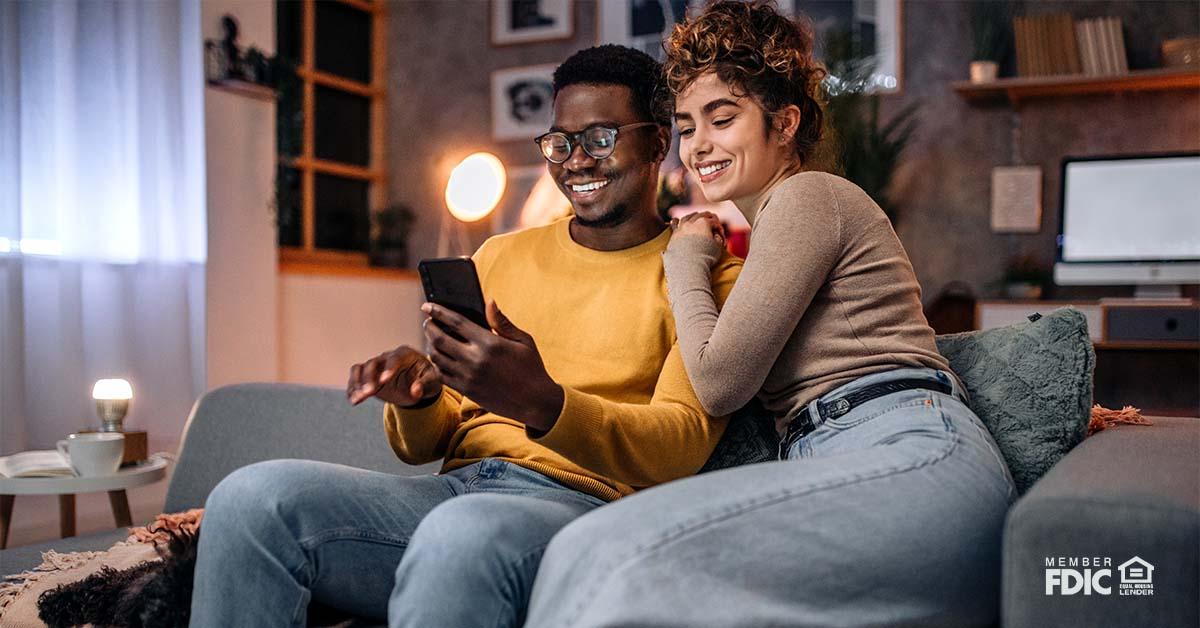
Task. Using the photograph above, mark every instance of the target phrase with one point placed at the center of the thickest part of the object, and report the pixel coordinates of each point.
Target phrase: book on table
(35, 464)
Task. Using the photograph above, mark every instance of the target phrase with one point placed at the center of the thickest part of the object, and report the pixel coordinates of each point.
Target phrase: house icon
(1135, 570)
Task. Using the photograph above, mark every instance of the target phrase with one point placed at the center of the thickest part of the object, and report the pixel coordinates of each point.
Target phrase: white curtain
(102, 214)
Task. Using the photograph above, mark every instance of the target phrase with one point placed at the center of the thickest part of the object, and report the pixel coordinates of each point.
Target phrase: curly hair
(757, 52)
(618, 65)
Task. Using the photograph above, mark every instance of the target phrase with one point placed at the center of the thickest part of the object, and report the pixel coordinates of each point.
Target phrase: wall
(329, 322)
(440, 62)
(242, 340)
(944, 186)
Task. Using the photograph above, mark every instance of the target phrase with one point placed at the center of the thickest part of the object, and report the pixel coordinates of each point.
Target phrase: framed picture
(526, 21)
(643, 24)
(522, 102)
(874, 25)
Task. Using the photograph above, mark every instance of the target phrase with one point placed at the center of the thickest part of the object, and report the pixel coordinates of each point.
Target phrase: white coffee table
(146, 472)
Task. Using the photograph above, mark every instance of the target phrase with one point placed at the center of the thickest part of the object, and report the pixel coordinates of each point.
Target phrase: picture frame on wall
(643, 24)
(529, 21)
(522, 102)
(875, 25)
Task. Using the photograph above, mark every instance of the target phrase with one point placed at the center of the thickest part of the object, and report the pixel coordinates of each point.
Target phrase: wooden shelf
(297, 261)
(1016, 90)
(244, 88)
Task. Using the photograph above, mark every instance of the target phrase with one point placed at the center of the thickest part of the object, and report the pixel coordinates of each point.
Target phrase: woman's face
(723, 141)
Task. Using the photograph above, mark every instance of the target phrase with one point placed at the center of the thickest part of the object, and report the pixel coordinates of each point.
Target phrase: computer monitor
(1130, 220)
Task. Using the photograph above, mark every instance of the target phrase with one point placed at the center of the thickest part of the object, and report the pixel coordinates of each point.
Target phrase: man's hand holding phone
(402, 376)
(502, 371)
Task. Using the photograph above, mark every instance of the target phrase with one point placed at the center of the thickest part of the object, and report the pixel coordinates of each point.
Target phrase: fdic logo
(1071, 575)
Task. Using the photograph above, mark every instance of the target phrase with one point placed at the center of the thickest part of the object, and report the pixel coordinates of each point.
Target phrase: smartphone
(452, 283)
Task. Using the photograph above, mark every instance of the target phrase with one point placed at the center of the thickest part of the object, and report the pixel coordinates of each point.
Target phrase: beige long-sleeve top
(827, 295)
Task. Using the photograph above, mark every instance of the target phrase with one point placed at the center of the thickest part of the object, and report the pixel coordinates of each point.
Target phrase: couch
(1130, 490)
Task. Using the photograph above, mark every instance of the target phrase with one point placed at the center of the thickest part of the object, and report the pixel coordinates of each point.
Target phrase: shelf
(244, 88)
(1016, 90)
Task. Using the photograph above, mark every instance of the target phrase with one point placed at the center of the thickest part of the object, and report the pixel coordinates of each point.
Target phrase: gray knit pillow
(1031, 384)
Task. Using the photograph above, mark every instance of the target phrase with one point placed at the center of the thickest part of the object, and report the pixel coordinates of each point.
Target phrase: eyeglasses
(597, 141)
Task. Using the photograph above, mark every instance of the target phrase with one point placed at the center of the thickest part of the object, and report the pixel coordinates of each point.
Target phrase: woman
(889, 503)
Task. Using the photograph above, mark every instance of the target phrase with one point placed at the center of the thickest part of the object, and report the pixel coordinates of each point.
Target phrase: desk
(66, 488)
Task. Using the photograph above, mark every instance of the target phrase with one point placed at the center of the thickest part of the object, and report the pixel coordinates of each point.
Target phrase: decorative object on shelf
(390, 227)
(528, 21)
(473, 190)
(522, 102)
(860, 148)
(225, 65)
(1017, 199)
(112, 398)
(1024, 278)
(1181, 53)
(991, 36)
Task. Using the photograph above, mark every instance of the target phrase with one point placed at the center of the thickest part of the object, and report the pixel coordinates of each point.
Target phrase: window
(330, 128)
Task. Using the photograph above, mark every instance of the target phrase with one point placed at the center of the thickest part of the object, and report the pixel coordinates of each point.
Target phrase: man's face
(605, 192)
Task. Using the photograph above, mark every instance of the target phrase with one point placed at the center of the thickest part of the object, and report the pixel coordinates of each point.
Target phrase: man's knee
(254, 491)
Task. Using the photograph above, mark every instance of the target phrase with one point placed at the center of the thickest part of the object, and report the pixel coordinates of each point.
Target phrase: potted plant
(990, 27)
(388, 244)
(860, 147)
(1024, 278)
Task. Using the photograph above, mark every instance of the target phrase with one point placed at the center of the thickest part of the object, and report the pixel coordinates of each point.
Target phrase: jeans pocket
(878, 407)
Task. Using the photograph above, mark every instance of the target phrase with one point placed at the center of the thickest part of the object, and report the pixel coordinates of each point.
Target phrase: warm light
(475, 187)
(112, 389)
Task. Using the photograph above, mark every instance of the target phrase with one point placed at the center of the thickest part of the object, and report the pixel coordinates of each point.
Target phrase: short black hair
(611, 64)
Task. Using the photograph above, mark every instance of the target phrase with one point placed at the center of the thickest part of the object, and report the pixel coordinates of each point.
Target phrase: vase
(984, 71)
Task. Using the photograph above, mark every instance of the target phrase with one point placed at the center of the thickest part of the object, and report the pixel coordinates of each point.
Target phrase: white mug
(94, 453)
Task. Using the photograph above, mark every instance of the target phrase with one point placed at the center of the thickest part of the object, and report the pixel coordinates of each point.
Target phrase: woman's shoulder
(822, 189)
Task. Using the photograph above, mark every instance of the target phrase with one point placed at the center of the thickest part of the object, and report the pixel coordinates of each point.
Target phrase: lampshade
(475, 187)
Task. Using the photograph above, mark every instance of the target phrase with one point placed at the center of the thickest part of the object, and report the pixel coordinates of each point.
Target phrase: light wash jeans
(888, 515)
(458, 549)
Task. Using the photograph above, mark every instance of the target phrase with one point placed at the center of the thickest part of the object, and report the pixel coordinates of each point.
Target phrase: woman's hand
(699, 223)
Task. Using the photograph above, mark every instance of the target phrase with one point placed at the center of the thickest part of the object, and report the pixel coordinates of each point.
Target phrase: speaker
(1152, 323)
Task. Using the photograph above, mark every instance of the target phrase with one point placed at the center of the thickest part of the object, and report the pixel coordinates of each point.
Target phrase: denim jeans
(456, 549)
(888, 515)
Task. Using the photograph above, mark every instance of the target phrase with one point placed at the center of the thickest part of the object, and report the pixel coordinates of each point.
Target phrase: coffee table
(146, 472)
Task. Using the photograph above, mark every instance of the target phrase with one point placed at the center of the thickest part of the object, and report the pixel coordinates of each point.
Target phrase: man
(577, 398)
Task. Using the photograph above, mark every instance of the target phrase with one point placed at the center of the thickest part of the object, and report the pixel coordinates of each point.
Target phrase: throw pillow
(1031, 384)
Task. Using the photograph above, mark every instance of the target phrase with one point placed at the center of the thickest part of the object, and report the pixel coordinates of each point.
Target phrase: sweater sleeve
(643, 444)
(796, 242)
(421, 435)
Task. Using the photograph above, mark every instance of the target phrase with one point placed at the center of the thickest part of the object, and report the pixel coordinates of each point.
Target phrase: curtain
(102, 215)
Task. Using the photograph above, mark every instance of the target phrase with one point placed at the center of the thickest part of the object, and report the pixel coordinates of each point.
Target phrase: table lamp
(112, 402)
(475, 187)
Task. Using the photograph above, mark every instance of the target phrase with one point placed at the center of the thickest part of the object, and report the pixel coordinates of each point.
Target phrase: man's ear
(662, 138)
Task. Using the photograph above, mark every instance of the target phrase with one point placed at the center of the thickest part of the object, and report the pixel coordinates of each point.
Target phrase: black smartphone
(452, 283)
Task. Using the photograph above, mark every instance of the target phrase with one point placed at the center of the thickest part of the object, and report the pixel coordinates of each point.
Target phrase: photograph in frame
(522, 102)
(529, 21)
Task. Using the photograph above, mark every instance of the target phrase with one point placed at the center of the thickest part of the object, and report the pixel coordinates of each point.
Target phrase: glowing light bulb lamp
(112, 402)
(475, 187)
(112, 397)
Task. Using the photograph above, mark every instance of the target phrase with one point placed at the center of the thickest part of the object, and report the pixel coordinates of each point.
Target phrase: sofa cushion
(1031, 384)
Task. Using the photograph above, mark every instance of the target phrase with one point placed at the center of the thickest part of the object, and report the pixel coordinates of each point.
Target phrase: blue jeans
(456, 549)
(889, 515)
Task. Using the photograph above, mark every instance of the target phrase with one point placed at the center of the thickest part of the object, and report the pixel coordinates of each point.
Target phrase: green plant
(858, 146)
(391, 225)
(991, 23)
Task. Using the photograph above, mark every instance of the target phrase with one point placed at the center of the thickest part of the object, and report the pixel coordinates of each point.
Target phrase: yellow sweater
(604, 328)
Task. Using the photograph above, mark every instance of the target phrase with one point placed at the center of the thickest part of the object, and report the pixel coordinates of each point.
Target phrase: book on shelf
(1057, 44)
(35, 464)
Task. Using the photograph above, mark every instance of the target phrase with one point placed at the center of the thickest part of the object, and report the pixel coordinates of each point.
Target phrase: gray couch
(1130, 490)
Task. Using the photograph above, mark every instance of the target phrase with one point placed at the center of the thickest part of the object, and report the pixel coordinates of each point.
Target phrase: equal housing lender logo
(1093, 575)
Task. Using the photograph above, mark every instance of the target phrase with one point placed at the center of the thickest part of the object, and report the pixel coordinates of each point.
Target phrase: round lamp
(475, 187)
